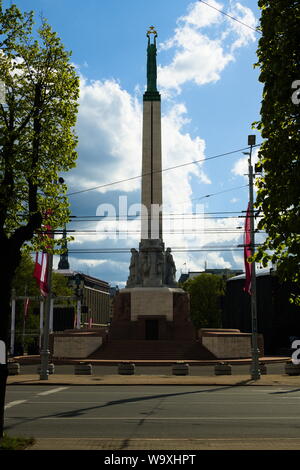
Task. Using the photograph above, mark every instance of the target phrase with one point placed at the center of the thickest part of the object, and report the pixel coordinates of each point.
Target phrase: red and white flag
(41, 271)
(42, 262)
(247, 251)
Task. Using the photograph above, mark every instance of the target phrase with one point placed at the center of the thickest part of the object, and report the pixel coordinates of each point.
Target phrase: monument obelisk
(151, 266)
(151, 306)
(151, 226)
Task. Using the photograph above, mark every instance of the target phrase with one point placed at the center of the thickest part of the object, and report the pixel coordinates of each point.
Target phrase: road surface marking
(200, 418)
(54, 390)
(14, 403)
(212, 403)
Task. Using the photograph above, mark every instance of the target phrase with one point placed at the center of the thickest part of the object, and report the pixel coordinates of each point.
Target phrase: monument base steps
(152, 350)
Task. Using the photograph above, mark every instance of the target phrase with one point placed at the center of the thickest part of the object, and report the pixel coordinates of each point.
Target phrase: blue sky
(210, 97)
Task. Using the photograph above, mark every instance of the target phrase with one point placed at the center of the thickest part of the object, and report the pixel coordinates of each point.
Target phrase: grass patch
(15, 443)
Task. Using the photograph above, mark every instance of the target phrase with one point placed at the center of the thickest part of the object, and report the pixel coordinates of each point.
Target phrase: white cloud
(109, 128)
(241, 166)
(200, 57)
(246, 16)
(179, 148)
(109, 132)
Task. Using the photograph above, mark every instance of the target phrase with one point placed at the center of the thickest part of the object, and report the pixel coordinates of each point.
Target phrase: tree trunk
(6, 277)
(5, 290)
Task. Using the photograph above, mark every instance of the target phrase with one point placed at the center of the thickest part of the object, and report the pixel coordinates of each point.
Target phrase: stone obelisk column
(151, 227)
(151, 265)
(151, 306)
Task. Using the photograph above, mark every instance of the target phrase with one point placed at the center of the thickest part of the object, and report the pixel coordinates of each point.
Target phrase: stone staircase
(152, 350)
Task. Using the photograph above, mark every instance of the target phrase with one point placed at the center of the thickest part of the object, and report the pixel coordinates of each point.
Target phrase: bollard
(126, 368)
(13, 368)
(180, 368)
(83, 369)
(292, 369)
(51, 369)
(223, 369)
(262, 368)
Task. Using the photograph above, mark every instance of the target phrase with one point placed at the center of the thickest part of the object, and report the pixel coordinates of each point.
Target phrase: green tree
(37, 142)
(206, 291)
(278, 195)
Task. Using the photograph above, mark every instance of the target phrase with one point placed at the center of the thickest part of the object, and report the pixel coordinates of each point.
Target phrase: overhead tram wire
(160, 171)
(174, 250)
(172, 232)
(257, 30)
(171, 213)
(192, 214)
(167, 216)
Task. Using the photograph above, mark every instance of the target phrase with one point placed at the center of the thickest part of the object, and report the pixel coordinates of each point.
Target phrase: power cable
(161, 171)
(174, 250)
(257, 30)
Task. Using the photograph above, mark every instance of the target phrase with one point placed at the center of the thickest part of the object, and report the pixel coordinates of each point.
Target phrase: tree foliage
(206, 291)
(37, 142)
(37, 139)
(278, 195)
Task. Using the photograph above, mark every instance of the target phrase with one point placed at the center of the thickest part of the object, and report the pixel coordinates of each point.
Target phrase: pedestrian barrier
(180, 369)
(262, 368)
(13, 368)
(83, 369)
(126, 368)
(292, 369)
(51, 369)
(223, 369)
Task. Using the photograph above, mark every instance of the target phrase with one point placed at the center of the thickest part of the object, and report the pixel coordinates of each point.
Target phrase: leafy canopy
(278, 195)
(205, 292)
(37, 138)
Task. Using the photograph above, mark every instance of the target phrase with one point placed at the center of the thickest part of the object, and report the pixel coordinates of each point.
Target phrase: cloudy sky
(210, 98)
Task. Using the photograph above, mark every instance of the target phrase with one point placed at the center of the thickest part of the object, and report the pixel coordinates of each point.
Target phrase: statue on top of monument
(151, 62)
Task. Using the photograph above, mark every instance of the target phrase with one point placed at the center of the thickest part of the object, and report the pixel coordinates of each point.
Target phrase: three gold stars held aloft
(152, 30)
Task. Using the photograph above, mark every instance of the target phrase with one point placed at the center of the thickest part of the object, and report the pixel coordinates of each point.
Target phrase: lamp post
(255, 370)
(45, 353)
(79, 282)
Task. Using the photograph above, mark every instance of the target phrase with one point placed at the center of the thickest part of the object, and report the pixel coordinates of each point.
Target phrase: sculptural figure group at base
(151, 266)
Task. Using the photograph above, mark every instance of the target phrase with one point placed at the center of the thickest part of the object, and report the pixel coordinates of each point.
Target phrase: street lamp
(45, 353)
(255, 370)
(79, 283)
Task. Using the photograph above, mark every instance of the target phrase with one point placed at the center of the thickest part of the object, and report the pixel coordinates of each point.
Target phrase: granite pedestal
(151, 313)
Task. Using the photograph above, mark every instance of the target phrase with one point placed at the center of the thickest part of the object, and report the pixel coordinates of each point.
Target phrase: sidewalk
(229, 380)
(155, 379)
(116, 447)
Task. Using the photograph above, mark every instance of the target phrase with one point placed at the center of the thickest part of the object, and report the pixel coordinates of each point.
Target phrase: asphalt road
(137, 412)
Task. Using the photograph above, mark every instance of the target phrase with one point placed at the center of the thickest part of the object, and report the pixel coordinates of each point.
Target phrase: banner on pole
(247, 251)
(40, 272)
(42, 263)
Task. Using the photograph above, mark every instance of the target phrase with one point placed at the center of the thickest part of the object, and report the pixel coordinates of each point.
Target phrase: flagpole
(255, 370)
